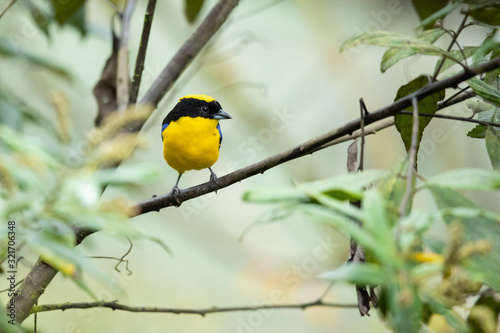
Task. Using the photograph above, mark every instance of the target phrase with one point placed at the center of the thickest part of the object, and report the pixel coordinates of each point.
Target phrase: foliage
(419, 276)
(50, 194)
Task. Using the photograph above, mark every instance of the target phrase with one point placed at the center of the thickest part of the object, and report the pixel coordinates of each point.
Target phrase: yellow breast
(191, 143)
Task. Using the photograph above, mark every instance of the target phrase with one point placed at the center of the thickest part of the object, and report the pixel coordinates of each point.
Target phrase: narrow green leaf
(429, 20)
(478, 132)
(376, 224)
(451, 317)
(192, 9)
(426, 8)
(394, 55)
(493, 146)
(404, 123)
(358, 274)
(487, 92)
(394, 40)
(472, 179)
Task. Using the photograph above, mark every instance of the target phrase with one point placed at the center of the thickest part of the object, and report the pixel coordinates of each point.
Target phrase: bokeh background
(276, 68)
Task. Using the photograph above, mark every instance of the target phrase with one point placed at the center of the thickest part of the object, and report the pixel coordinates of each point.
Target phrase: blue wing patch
(163, 128)
(220, 133)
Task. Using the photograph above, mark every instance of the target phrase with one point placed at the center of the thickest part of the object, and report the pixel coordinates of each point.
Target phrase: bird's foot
(213, 179)
(175, 192)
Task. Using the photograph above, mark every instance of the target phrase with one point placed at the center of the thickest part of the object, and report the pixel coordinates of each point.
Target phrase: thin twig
(445, 116)
(114, 305)
(363, 111)
(412, 158)
(453, 40)
(122, 73)
(310, 146)
(141, 54)
(7, 8)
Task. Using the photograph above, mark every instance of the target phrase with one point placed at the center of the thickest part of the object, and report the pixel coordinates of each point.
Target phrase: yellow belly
(191, 143)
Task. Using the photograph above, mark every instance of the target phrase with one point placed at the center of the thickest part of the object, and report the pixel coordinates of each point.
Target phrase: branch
(141, 54)
(114, 305)
(446, 116)
(122, 74)
(7, 8)
(217, 16)
(453, 40)
(308, 147)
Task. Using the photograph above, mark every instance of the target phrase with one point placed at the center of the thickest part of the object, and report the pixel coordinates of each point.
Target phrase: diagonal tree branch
(217, 16)
(308, 147)
(10, 4)
(202, 312)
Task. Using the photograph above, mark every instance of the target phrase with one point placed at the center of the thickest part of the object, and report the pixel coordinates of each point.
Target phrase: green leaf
(488, 13)
(403, 306)
(478, 132)
(468, 51)
(376, 224)
(394, 55)
(427, 22)
(192, 9)
(395, 40)
(426, 8)
(472, 179)
(476, 227)
(343, 224)
(451, 317)
(358, 274)
(487, 92)
(493, 146)
(404, 123)
(489, 44)
(492, 76)
(64, 10)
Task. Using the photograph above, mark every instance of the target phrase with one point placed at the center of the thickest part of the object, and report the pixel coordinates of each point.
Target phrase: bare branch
(7, 8)
(214, 20)
(141, 53)
(201, 312)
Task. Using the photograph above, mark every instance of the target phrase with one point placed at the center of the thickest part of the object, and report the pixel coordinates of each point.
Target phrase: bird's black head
(196, 106)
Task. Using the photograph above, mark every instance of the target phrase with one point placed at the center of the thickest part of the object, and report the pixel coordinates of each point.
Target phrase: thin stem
(445, 116)
(12, 2)
(412, 159)
(141, 54)
(363, 111)
(202, 312)
(453, 40)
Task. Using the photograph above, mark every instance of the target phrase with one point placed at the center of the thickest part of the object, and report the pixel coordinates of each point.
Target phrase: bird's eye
(204, 109)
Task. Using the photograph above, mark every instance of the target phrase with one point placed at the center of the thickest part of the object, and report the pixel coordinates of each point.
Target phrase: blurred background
(275, 67)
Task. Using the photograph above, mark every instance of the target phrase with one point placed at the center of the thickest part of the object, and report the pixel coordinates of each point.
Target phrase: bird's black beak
(222, 115)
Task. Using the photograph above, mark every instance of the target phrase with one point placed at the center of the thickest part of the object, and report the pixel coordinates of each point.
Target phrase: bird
(192, 136)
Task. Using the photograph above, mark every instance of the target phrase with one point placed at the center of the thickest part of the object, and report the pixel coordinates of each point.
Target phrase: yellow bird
(192, 135)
